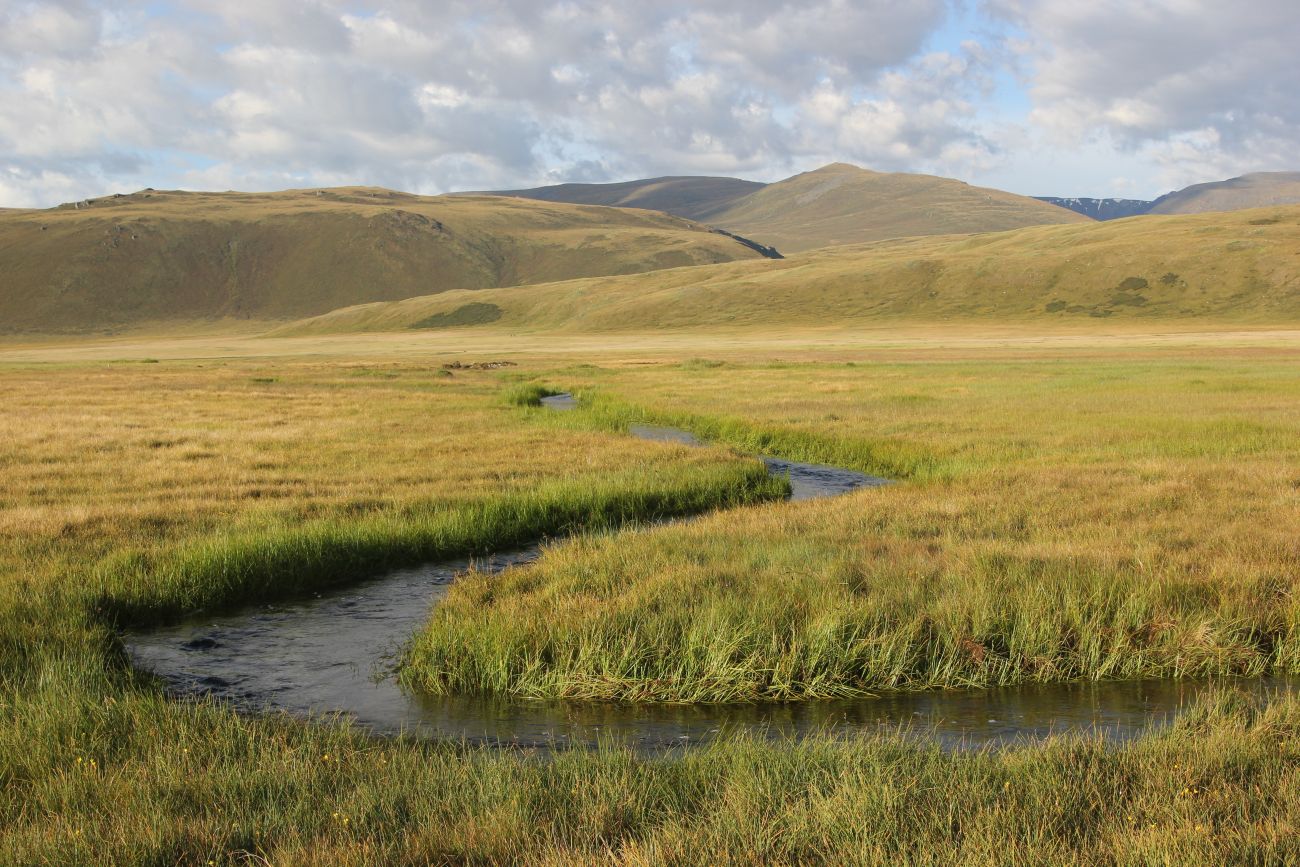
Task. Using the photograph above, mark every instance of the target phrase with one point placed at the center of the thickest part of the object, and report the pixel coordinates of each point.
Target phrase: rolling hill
(167, 256)
(836, 204)
(843, 204)
(1241, 267)
(1258, 190)
(696, 198)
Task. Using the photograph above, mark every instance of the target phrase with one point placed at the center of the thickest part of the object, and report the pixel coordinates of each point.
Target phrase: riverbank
(139, 780)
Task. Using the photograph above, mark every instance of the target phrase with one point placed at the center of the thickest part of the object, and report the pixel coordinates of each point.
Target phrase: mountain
(1101, 209)
(696, 198)
(152, 256)
(836, 204)
(843, 204)
(1258, 190)
(1240, 267)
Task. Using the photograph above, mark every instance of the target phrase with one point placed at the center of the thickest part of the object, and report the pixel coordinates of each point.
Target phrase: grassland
(1047, 479)
(178, 257)
(1196, 271)
(117, 776)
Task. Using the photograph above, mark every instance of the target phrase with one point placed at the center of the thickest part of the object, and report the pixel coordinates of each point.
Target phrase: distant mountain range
(1101, 209)
(843, 204)
(1258, 190)
(157, 256)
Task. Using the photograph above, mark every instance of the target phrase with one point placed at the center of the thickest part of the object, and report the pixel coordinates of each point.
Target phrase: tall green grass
(697, 614)
(224, 569)
(527, 394)
(126, 777)
(891, 459)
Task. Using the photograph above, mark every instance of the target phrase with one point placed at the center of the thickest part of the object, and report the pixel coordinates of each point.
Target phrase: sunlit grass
(1069, 518)
(1068, 513)
(126, 777)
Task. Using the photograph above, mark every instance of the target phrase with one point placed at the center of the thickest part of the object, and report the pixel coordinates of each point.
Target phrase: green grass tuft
(527, 394)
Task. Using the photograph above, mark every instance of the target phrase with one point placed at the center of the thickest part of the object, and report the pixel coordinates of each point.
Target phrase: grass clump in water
(528, 394)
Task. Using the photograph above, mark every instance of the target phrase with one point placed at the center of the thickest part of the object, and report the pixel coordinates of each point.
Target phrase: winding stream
(333, 654)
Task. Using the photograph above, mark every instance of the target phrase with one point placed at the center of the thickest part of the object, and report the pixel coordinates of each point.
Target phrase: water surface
(333, 653)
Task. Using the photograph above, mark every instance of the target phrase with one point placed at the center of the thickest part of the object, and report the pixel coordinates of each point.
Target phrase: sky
(1126, 98)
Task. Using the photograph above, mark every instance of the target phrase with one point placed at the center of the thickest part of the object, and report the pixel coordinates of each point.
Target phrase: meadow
(1066, 508)
(1060, 516)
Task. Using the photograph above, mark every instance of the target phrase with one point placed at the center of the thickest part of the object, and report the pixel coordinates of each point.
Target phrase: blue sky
(1041, 97)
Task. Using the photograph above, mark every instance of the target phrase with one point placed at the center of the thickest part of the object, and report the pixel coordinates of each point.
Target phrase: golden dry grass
(104, 459)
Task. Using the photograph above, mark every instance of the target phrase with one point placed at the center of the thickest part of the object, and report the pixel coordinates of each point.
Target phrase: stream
(334, 652)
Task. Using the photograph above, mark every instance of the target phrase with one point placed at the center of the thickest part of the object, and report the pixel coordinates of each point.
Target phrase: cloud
(1198, 86)
(922, 116)
(430, 96)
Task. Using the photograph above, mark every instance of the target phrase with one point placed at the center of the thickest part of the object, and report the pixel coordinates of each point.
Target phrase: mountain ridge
(692, 197)
(174, 255)
(842, 204)
(1243, 267)
(839, 203)
(1254, 190)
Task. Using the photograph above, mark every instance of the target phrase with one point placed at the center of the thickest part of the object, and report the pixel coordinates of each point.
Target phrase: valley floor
(1070, 505)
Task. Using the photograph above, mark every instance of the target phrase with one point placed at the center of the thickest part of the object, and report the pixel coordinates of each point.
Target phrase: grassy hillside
(697, 198)
(1243, 266)
(1258, 190)
(151, 256)
(836, 204)
(843, 204)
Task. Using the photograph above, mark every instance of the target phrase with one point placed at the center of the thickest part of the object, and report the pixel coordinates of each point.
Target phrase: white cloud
(430, 96)
(424, 95)
(1198, 86)
(920, 117)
